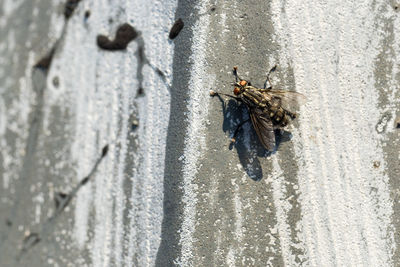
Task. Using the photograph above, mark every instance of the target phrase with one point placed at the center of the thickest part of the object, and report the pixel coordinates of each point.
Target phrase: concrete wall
(172, 190)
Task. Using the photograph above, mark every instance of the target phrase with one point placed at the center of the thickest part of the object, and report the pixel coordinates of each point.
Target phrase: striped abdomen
(280, 117)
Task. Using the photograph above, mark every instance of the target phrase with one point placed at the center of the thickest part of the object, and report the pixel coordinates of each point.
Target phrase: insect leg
(236, 75)
(212, 93)
(268, 79)
(291, 115)
(233, 139)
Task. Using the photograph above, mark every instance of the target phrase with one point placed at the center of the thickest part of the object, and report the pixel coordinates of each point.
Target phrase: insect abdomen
(280, 117)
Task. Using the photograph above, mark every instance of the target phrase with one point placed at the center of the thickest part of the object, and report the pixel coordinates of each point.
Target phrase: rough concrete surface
(172, 190)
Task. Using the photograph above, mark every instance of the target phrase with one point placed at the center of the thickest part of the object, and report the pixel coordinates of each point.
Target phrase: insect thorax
(253, 98)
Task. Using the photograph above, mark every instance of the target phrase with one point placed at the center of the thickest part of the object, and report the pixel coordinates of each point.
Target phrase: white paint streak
(98, 88)
(81, 222)
(282, 206)
(238, 213)
(10, 6)
(16, 115)
(346, 206)
(236, 250)
(195, 138)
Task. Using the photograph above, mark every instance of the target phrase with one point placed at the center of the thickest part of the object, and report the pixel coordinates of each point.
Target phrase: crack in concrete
(39, 77)
(61, 203)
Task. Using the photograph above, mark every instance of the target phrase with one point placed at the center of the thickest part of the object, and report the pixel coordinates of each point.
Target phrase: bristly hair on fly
(269, 108)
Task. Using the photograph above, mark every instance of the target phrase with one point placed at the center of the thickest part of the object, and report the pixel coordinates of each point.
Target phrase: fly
(269, 109)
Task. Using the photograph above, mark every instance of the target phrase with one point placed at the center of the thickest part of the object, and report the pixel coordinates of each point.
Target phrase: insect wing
(289, 100)
(263, 125)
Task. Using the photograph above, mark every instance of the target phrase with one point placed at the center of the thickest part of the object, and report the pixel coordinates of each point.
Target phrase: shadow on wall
(249, 148)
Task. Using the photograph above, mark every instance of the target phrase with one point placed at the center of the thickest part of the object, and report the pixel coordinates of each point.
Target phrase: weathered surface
(171, 190)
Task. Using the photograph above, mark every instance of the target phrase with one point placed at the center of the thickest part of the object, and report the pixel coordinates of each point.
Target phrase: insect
(269, 109)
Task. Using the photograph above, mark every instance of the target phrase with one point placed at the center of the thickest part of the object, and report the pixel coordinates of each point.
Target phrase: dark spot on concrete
(110, 21)
(141, 55)
(397, 123)
(176, 29)
(87, 14)
(125, 34)
(213, 9)
(56, 82)
(8, 222)
(160, 73)
(104, 151)
(103, 41)
(32, 238)
(70, 6)
(58, 197)
(84, 180)
(140, 92)
(376, 164)
(382, 123)
(134, 124)
(45, 62)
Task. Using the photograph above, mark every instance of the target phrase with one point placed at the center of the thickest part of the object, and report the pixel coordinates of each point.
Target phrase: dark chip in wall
(70, 6)
(125, 34)
(45, 62)
(176, 29)
(87, 14)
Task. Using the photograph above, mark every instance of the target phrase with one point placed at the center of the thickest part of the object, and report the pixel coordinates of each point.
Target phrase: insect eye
(236, 91)
(243, 83)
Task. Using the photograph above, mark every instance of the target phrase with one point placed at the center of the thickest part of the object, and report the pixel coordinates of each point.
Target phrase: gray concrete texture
(172, 190)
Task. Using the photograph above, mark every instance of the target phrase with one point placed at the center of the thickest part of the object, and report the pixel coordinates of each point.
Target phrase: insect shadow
(247, 144)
